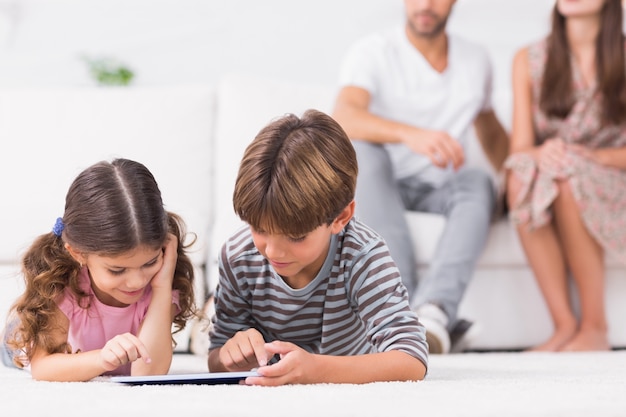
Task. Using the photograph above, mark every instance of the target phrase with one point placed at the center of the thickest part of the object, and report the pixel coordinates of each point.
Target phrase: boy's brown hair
(296, 175)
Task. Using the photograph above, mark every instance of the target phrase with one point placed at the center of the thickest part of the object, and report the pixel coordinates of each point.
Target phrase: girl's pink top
(91, 327)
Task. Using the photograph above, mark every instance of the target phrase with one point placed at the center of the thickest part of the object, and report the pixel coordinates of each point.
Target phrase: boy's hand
(296, 366)
(244, 351)
(165, 277)
(122, 349)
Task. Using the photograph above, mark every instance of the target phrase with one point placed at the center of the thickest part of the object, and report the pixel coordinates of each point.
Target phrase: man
(409, 99)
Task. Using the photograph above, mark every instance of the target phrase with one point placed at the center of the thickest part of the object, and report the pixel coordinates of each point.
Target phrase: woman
(566, 181)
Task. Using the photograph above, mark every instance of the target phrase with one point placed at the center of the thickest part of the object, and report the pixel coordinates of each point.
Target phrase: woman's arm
(522, 132)
(611, 157)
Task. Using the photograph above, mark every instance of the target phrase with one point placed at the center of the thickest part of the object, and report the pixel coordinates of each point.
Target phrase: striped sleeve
(376, 289)
(232, 309)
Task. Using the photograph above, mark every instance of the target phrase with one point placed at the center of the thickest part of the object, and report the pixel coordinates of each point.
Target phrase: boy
(304, 281)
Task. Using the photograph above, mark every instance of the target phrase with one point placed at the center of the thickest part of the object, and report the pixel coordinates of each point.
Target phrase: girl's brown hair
(110, 209)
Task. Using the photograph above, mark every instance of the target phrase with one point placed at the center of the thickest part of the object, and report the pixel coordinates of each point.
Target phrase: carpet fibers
(465, 384)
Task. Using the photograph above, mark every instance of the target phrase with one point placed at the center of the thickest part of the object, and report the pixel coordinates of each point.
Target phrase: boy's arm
(244, 351)
(231, 322)
(213, 362)
(300, 367)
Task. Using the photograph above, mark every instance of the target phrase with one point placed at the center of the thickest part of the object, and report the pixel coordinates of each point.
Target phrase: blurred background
(45, 43)
(55, 43)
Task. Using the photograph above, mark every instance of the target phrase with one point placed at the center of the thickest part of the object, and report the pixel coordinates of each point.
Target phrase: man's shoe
(462, 335)
(435, 321)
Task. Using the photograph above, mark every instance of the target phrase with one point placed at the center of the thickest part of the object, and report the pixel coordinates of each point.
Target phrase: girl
(567, 171)
(106, 287)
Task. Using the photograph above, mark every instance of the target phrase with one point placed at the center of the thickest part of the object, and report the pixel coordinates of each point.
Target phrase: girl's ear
(78, 257)
(344, 217)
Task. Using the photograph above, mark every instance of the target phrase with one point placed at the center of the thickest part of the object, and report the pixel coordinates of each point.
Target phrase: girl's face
(121, 280)
(297, 259)
(580, 8)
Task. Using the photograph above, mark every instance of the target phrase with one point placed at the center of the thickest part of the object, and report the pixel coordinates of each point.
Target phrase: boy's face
(297, 259)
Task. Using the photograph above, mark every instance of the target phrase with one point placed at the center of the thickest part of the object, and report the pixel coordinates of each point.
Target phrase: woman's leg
(545, 256)
(585, 258)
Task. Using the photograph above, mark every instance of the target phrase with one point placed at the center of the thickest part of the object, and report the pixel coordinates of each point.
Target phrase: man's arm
(352, 113)
(493, 138)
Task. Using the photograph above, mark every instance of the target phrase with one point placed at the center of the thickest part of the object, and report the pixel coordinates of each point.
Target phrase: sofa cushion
(502, 247)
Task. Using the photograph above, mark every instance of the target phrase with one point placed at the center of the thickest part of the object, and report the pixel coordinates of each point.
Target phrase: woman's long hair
(557, 97)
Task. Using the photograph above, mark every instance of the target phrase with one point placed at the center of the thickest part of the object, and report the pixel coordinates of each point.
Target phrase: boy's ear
(344, 217)
(75, 254)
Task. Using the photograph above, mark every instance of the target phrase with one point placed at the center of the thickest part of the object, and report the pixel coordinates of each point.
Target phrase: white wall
(181, 41)
(197, 41)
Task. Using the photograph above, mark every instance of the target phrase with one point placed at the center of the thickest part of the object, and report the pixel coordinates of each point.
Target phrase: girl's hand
(296, 366)
(165, 277)
(244, 351)
(122, 349)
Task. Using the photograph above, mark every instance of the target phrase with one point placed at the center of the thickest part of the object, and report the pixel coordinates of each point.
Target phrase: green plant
(108, 71)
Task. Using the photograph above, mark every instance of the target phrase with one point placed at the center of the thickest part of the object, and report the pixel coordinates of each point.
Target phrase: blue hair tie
(58, 227)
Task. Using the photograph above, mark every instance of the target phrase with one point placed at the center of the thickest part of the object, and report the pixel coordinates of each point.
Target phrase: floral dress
(600, 191)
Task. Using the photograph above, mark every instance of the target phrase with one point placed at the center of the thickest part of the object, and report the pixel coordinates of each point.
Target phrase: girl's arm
(156, 328)
(83, 366)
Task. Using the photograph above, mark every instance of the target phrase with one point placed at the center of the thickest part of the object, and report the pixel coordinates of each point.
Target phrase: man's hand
(438, 146)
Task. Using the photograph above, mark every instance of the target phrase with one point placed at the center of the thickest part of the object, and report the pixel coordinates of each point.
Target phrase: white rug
(467, 384)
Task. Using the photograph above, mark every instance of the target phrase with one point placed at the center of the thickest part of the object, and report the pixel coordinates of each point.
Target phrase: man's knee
(373, 159)
(476, 185)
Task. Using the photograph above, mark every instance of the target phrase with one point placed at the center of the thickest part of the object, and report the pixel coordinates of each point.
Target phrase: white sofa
(192, 137)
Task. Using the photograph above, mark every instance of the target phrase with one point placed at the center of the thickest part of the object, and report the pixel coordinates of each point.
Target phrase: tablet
(203, 378)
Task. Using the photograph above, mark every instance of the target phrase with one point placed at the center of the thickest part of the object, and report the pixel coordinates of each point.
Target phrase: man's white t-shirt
(404, 87)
